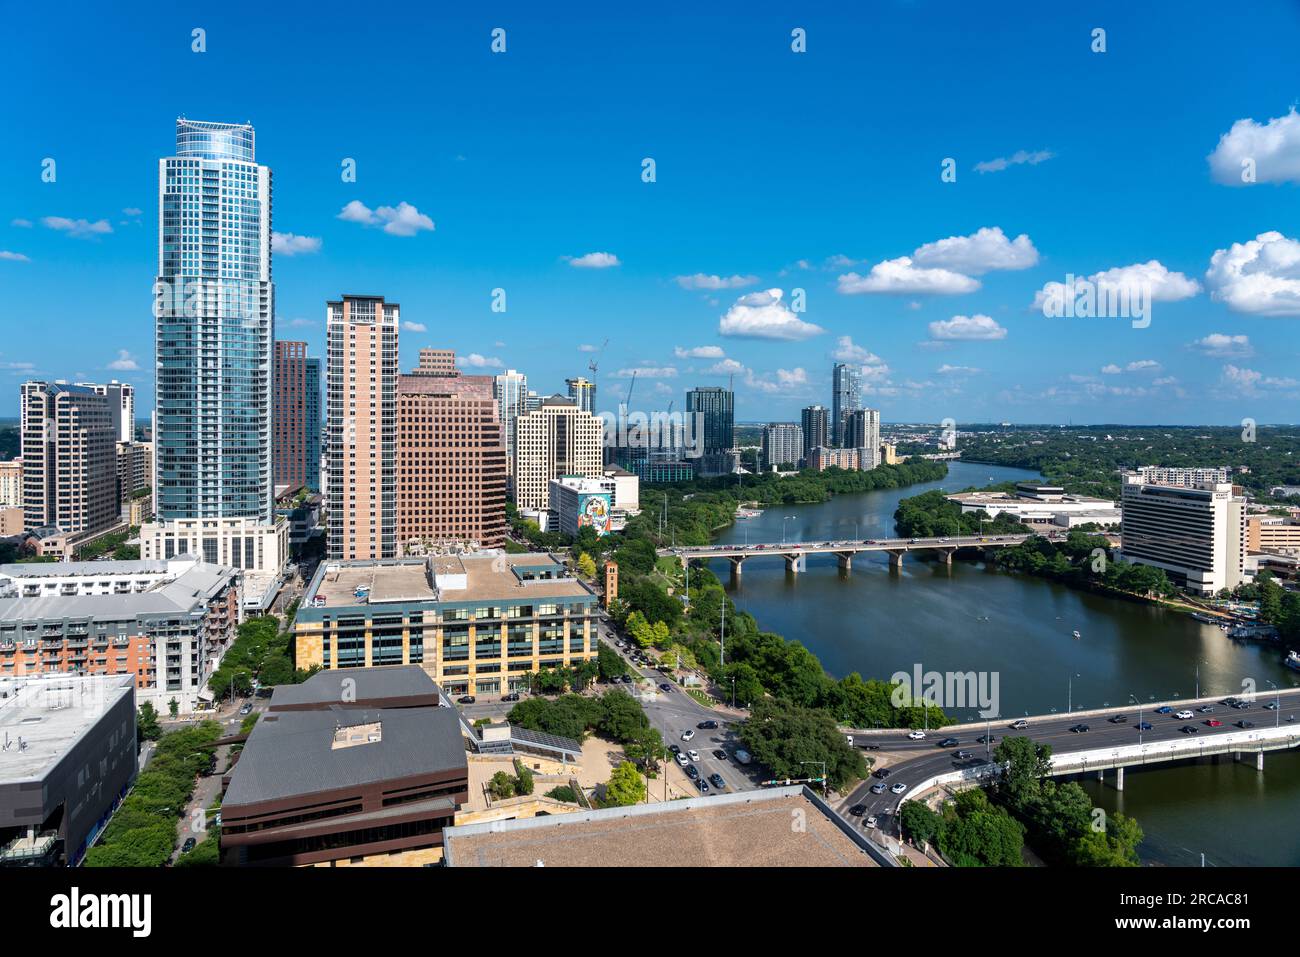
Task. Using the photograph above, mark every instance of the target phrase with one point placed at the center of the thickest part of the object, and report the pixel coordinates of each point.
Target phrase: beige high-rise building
(554, 440)
(11, 483)
(451, 462)
(69, 458)
(361, 416)
(437, 362)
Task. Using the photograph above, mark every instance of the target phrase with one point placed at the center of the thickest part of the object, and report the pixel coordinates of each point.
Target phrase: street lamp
(1069, 704)
(1138, 702)
(1277, 705)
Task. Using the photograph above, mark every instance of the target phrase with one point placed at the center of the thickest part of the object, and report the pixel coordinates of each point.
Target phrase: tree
(523, 780)
(977, 833)
(921, 824)
(146, 723)
(586, 566)
(625, 786)
(173, 707)
(501, 786)
(794, 741)
(1026, 764)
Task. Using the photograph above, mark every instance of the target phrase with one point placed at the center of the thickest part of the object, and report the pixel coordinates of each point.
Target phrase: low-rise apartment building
(476, 622)
(166, 624)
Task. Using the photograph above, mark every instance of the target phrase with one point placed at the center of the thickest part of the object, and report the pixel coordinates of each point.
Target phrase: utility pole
(722, 636)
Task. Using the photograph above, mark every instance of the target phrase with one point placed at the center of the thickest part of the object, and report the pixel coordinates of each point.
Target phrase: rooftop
(479, 576)
(741, 829)
(49, 712)
(179, 596)
(294, 753)
(358, 686)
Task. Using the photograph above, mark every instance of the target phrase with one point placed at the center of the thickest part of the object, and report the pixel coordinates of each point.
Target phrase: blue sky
(775, 170)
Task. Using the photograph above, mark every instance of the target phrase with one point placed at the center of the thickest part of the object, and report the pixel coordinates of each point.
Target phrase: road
(912, 762)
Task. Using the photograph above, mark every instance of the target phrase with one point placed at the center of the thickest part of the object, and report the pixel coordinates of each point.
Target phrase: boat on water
(747, 513)
(1075, 634)
(1293, 660)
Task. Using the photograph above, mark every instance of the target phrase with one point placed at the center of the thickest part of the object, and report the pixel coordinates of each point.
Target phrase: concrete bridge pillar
(1259, 760)
(795, 562)
(946, 556)
(896, 559)
(735, 568)
(846, 560)
(1119, 779)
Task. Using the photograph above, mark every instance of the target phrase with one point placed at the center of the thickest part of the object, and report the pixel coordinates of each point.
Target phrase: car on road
(719, 754)
(858, 810)
(1241, 705)
(948, 743)
(898, 788)
(1245, 724)
(709, 725)
(703, 785)
(1019, 724)
(188, 845)
(870, 821)
(1164, 709)
(1183, 715)
(665, 686)
(986, 738)
(692, 771)
(688, 734)
(1118, 719)
(916, 735)
(882, 773)
(1213, 723)
(1271, 706)
(693, 755)
(1206, 709)
(716, 780)
(869, 747)
(877, 789)
(466, 699)
(1231, 702)
(962, 755)
(246, 709)
(1079, 728)
(512, 696)
(1143, 726)
(1189, 729)
(682, 760)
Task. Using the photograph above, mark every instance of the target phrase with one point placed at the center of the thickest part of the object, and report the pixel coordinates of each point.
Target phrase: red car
(1214, 723)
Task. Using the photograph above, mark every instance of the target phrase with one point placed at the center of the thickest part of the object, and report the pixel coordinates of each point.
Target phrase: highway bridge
(1114, 739)
(796, 554)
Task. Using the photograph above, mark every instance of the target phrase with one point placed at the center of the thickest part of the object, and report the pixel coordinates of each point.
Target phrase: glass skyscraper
(845, 398)
(214, 309)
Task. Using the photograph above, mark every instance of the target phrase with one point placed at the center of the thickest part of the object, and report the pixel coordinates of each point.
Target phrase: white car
(688, 734)
(916, 735)
(682, 760)
(898, 788)
(1183, 715)
(693, 755)
(870, 821)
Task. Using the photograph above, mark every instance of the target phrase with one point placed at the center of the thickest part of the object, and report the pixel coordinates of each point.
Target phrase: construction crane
(599, 352)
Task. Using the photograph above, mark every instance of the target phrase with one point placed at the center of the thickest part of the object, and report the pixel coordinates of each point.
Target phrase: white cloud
(846, 351)
(303, 323)
(13, 257)
(1123, 281)
(133, 211)
(1261, 276)
(702, 281)
(408, 326)
(124, 362)
(476, 361)
(984, 251)
(902, 276)
(699, 352)
(786, 381)
(1017, 158)
(726, 367)
(595, 261)
(290, 244)
(762, 315)
(400, 220)
(1223, 346)
(588, 347)
(946, 369)
(80, 228)
(648, 372)
(967, 327)
(1273, 147)
(23, 223)
(1111, 369)
(1250, 381)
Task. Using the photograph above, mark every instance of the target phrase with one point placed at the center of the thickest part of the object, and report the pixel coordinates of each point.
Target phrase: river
(1016, 629)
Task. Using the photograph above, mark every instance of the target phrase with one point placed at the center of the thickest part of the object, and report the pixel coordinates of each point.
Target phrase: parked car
(188, 845)
(716, 780)
(702, 784)
(719, 754)
(693, 755)
(466, 699)
(681, 759)
(675, 749)
(692, 771)
(512, 696)
(246, 709)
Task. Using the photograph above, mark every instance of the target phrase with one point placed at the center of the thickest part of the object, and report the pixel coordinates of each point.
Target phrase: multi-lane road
(912, 762)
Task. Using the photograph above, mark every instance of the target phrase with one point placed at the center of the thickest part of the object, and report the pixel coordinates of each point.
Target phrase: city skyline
(934, 290)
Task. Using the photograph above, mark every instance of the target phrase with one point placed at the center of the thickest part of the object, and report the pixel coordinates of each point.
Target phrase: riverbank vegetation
(931, 515)
(1087, 459)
